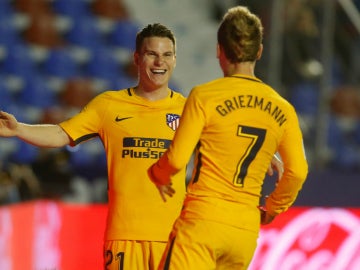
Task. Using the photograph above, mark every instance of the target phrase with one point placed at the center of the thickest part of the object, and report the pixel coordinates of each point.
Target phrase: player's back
(244, 123)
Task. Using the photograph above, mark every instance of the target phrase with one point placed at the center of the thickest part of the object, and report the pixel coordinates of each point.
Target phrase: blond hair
(240, 35)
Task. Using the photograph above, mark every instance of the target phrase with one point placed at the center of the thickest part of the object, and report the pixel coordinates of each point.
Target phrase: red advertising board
(54, 235)
(310, 239)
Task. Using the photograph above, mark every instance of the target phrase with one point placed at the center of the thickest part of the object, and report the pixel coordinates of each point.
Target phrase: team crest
(172, 120)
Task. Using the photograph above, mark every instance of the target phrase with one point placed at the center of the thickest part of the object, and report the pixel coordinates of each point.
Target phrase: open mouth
(158, 71)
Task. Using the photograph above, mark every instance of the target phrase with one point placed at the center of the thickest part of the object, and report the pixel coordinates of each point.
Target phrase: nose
(159, 59)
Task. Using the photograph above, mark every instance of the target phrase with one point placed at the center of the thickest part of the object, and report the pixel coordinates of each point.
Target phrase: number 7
(257, 136)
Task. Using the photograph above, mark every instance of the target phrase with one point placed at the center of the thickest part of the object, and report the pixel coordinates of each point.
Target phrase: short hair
(240, 35)
(154, 30)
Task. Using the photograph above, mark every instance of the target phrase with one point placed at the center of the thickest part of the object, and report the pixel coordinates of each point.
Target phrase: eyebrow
(151, 51)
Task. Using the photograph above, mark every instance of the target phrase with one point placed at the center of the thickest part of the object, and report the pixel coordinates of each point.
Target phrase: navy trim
(246, 78)
(168, 255)
(86, 137)
(198, 166)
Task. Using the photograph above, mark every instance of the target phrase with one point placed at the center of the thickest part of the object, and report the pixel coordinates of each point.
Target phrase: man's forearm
(43, 135)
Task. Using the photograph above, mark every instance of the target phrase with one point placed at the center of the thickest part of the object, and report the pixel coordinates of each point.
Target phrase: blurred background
(55, 55)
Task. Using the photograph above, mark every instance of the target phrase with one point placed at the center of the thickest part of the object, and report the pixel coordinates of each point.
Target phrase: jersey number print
(110, 258)
(257, 137)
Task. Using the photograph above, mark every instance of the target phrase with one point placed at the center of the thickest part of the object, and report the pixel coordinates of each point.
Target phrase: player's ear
(136, 58)
(218, 51)
(259, 53)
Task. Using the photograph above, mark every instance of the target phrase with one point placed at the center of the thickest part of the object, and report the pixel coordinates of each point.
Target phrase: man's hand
(8, 124)
(266, 218)
(276, 165)
(165, 190)
(164, 187)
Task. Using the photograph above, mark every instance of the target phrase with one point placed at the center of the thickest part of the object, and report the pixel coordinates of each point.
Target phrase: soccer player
(136, 126)
(236, 124)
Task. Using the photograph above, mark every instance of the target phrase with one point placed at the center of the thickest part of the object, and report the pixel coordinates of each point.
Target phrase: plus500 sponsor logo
(137, 147)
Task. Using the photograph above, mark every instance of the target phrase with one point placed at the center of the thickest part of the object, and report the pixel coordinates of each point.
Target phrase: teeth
(158, 71)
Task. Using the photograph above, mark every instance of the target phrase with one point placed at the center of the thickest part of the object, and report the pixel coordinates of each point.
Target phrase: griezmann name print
(251, 102)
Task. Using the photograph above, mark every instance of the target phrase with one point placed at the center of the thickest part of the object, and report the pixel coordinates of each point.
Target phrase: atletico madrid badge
(172, 120)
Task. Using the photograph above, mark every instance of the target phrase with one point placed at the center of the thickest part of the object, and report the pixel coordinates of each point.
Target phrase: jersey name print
(253, 102)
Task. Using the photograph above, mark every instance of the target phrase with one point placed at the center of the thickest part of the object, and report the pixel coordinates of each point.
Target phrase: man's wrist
(154, 178)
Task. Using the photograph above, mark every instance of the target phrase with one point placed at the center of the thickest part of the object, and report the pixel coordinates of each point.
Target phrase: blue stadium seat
(61, 63)
(124, 34)
(344, 145)
(71, 8)
(305, 98)
(19, 61)
(37, 93)
(6, 8)
(347, 158)
(103, 65)
(122, 81)
(9, 34)
(335, 138)
(18, 111)
(85, 33)
(6, 98)
(25, 153)
(86, 158)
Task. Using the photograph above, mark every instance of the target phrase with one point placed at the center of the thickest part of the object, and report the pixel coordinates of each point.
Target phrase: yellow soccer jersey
(135, 132)
(240, 123)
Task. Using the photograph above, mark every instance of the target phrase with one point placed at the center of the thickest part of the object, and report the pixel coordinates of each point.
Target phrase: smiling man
(136, 126)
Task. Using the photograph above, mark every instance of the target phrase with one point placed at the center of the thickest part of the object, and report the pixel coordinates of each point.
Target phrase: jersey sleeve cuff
(157, 176)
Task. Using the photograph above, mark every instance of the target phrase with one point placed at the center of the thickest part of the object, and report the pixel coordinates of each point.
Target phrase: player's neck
(152, 94)
(244, 68)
